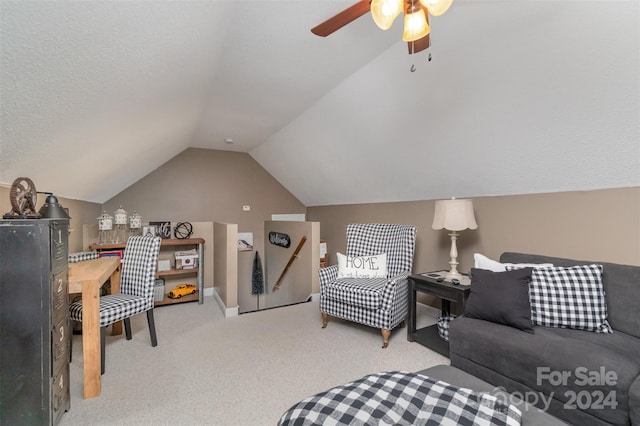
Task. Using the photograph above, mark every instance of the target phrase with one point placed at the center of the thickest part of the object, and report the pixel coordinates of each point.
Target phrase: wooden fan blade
(341, 19)
(419, 45)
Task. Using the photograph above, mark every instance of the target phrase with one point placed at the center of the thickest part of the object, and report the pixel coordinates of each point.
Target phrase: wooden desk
(87, 278)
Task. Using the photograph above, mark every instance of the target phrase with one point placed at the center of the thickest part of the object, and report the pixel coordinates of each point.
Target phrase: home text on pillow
(362, 266)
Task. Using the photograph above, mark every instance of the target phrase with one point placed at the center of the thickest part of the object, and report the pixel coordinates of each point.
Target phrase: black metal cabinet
(34, 321)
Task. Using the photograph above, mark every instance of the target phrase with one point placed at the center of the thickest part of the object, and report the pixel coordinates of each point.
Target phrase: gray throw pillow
(501, 297)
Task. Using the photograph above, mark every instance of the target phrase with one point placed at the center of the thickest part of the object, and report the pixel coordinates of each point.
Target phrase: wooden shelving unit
(177, 272)
(198, 242)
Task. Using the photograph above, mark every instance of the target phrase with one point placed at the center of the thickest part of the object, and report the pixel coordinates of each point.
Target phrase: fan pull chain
(413, 49)
(413, 67)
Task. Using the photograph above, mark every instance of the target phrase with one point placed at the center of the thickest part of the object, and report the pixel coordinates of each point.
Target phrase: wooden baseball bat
(291, 259)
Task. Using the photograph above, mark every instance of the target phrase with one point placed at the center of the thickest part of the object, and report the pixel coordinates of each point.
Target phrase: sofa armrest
(327, 275)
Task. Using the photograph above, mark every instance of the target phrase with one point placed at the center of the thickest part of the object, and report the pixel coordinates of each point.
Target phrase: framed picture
(163, 229)
(146, 230)
(245, 241)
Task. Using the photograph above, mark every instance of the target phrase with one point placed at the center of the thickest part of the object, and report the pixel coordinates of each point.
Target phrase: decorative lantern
(135, 224)
(105, 225)
(120, 219)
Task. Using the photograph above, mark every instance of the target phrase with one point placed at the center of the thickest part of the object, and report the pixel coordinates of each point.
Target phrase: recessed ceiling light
(228, 140)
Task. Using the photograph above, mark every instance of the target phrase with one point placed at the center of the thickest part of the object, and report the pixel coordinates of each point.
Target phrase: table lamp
(454, 215)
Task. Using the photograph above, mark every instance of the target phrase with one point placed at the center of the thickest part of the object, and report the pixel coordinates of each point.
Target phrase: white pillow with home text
(362, 266)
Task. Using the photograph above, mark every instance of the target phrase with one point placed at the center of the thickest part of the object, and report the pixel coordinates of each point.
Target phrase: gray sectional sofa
(582, 377)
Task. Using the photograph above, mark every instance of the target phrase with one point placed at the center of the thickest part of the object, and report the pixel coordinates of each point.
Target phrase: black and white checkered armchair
(377, 302)
(139, 263)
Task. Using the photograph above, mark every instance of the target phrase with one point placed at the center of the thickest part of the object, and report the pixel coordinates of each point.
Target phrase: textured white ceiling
(520, 97)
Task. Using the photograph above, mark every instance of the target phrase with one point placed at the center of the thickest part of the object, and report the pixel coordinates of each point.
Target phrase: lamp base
(453, 263)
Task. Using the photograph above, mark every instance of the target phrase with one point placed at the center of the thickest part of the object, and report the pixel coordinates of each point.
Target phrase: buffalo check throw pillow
(569, 298)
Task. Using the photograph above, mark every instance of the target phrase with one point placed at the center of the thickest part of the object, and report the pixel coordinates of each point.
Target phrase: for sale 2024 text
(587, 398)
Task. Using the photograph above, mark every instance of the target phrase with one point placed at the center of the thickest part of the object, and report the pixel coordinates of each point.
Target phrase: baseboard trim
(228, 312)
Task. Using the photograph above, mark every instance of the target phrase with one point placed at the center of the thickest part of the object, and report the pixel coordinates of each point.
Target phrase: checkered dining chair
(136, 290)
(377, 302)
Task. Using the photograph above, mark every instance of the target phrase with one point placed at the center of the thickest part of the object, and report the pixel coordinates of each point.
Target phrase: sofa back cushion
(621, 285)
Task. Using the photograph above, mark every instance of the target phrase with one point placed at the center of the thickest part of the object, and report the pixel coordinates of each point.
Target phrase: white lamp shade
(454, 215)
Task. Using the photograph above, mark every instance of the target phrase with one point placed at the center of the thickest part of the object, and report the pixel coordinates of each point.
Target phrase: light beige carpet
(245, 370)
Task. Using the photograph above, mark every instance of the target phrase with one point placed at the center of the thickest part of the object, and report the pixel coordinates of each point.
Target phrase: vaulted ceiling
(519, 97)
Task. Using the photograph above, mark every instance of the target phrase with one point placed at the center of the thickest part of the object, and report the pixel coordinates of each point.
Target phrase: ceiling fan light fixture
(436, 7)
(384, 12)
(415, 25)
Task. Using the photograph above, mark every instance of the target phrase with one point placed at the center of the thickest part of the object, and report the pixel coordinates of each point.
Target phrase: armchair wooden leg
(325, 319)
(385, 337)
(152, 328)
(127, 328)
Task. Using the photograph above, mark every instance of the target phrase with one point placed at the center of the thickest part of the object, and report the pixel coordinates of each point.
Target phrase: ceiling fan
(384, 12)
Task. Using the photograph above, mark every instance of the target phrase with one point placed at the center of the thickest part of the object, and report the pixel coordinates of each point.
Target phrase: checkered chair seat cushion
(364, 292)
(391, 312)
(113, 307)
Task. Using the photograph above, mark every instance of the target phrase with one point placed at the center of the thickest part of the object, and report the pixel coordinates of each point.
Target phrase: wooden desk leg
(116, 327)
(91, 339)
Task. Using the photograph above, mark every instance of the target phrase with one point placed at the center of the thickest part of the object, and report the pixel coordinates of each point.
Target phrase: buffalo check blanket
(400, 398)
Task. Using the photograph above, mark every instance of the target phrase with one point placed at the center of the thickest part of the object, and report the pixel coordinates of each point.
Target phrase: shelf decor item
(105, 226)
(52, 209)
(163, 229)
(183, 230)
(23, 197)
(120, 219)
(158, 290)
(135, 224)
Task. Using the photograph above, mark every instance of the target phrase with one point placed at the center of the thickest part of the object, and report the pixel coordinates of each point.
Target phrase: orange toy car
(182, 290)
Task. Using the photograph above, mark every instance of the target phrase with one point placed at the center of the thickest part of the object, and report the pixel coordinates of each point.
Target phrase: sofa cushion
(374, 266)
(621, 285)
(363, 292)
(547, 362)
(500, 297)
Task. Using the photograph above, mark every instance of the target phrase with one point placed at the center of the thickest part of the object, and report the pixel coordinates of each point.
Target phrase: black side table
(428, 336)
